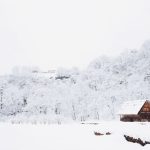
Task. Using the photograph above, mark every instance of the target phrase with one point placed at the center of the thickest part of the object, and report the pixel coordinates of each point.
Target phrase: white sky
(67, 33)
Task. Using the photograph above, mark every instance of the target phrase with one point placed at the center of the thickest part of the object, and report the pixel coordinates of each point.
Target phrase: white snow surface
(72, 136)
(131, 107)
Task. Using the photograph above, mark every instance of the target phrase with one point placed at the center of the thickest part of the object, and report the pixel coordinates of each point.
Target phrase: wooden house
(138, 110)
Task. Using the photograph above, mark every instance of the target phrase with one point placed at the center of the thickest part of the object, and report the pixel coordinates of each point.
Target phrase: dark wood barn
(138, 110)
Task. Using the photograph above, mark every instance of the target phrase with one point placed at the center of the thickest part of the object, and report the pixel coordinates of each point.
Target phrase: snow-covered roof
(131, 107)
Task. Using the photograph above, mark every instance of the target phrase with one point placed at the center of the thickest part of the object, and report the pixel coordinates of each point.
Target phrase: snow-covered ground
(72, 136)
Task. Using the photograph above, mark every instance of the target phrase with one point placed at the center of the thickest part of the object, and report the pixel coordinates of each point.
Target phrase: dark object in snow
(108, 133)
(98, 133)
(61, 77)
(134, 140)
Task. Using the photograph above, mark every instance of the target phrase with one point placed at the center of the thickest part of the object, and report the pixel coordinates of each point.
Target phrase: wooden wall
(145, 108)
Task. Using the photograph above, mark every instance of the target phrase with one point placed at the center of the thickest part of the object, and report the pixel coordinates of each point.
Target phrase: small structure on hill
(138, 110)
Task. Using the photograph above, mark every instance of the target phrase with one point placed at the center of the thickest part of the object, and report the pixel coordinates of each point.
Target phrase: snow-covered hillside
(73, 95)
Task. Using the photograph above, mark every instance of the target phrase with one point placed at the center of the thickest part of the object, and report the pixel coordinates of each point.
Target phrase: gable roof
(131, 107)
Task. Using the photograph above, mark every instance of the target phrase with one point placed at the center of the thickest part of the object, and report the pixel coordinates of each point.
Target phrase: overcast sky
(67, 33)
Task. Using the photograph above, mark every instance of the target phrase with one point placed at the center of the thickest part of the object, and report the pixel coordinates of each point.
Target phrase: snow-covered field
(72, 136)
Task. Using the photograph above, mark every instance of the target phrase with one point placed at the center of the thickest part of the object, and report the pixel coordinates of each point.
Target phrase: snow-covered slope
(95, 93)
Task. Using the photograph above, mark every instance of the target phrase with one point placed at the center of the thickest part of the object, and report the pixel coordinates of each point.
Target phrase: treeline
(72, 95)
